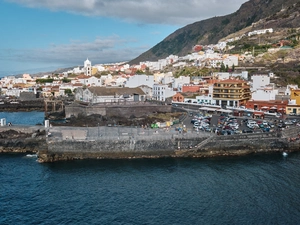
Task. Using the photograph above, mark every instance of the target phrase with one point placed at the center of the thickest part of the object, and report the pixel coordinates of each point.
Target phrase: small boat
(284, 154)
(31, 155)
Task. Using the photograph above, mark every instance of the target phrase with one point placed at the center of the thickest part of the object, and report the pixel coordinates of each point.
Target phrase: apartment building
(231, 92)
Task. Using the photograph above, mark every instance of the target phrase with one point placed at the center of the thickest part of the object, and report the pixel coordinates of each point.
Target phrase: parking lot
(226, 124)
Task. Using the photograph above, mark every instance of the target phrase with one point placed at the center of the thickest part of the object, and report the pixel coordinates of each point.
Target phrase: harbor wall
(85, 144)
(127, 109)
(119, 148)
(184, 146)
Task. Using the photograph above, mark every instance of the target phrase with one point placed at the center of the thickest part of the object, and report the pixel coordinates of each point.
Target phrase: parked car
(288, 122)
(207, 129)
(194, 120)
(281, 125)
(247, 131)
(271, 124)
(196, 124)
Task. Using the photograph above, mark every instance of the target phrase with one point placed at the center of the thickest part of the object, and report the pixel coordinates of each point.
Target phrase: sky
(44, 35)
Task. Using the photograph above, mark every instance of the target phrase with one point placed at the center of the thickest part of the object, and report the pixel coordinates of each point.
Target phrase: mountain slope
(210, 31)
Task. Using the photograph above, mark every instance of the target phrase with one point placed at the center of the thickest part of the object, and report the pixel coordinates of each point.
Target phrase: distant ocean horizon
(5, 73)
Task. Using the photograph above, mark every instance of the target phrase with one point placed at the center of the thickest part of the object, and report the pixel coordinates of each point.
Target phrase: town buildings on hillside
(103, 83)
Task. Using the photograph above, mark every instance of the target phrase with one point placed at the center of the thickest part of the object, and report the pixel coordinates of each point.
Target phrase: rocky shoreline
(21, 140)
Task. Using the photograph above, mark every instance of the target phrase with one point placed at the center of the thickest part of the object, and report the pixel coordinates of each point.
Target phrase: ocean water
(256, 189)
(23, 118)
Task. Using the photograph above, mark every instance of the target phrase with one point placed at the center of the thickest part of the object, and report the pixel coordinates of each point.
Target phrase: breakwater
(69, 143)
(115, 142)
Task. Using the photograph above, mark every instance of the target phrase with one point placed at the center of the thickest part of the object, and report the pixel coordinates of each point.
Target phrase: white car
(265, 123)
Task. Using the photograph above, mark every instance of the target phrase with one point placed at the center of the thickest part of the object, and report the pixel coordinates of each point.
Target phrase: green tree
(226, 68)
(68, 92)
(222, 68)
(44, 80)
(65, 80)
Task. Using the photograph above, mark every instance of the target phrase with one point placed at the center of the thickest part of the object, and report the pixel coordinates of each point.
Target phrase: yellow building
(231, 92)
(94, 71)
(294, 105)
(295, 95)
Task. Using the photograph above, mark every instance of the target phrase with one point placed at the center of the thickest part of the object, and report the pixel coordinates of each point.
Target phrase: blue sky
(43, 35)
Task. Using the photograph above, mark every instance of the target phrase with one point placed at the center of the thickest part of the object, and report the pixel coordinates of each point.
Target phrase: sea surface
(256, 189)
(23, 118)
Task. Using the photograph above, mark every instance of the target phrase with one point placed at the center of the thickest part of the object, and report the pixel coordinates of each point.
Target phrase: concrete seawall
(151, 146)
(66, 143)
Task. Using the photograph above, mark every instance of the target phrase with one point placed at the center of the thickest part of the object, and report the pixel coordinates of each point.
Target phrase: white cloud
(175, 12)
(101, 50)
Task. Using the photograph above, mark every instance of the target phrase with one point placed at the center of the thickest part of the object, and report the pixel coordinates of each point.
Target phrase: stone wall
(15, 106)
(117, 109)
(168, 147)
(131, 148)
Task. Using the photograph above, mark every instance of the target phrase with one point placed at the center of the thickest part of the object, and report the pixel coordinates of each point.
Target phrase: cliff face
(210, 31)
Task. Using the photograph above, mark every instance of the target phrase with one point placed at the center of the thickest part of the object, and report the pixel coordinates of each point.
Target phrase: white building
(180, 81)
(207, 99)
(88, 81)
(161, 92)
(138, 80)
(76, 70)
(13, 92)
(231, 60)
(259, 81)
(227, 75)
(289, 88)
(168, 78)
(264, 94)
(87, 67)
(264, 31)
(113, 94)
(66, 86)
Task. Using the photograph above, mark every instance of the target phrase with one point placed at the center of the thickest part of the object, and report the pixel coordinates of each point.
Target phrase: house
(87, 80)
(178, 98)
(109, 94)
(147, 90)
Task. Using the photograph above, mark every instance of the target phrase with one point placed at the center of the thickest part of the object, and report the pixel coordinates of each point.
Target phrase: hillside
(275, 14)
